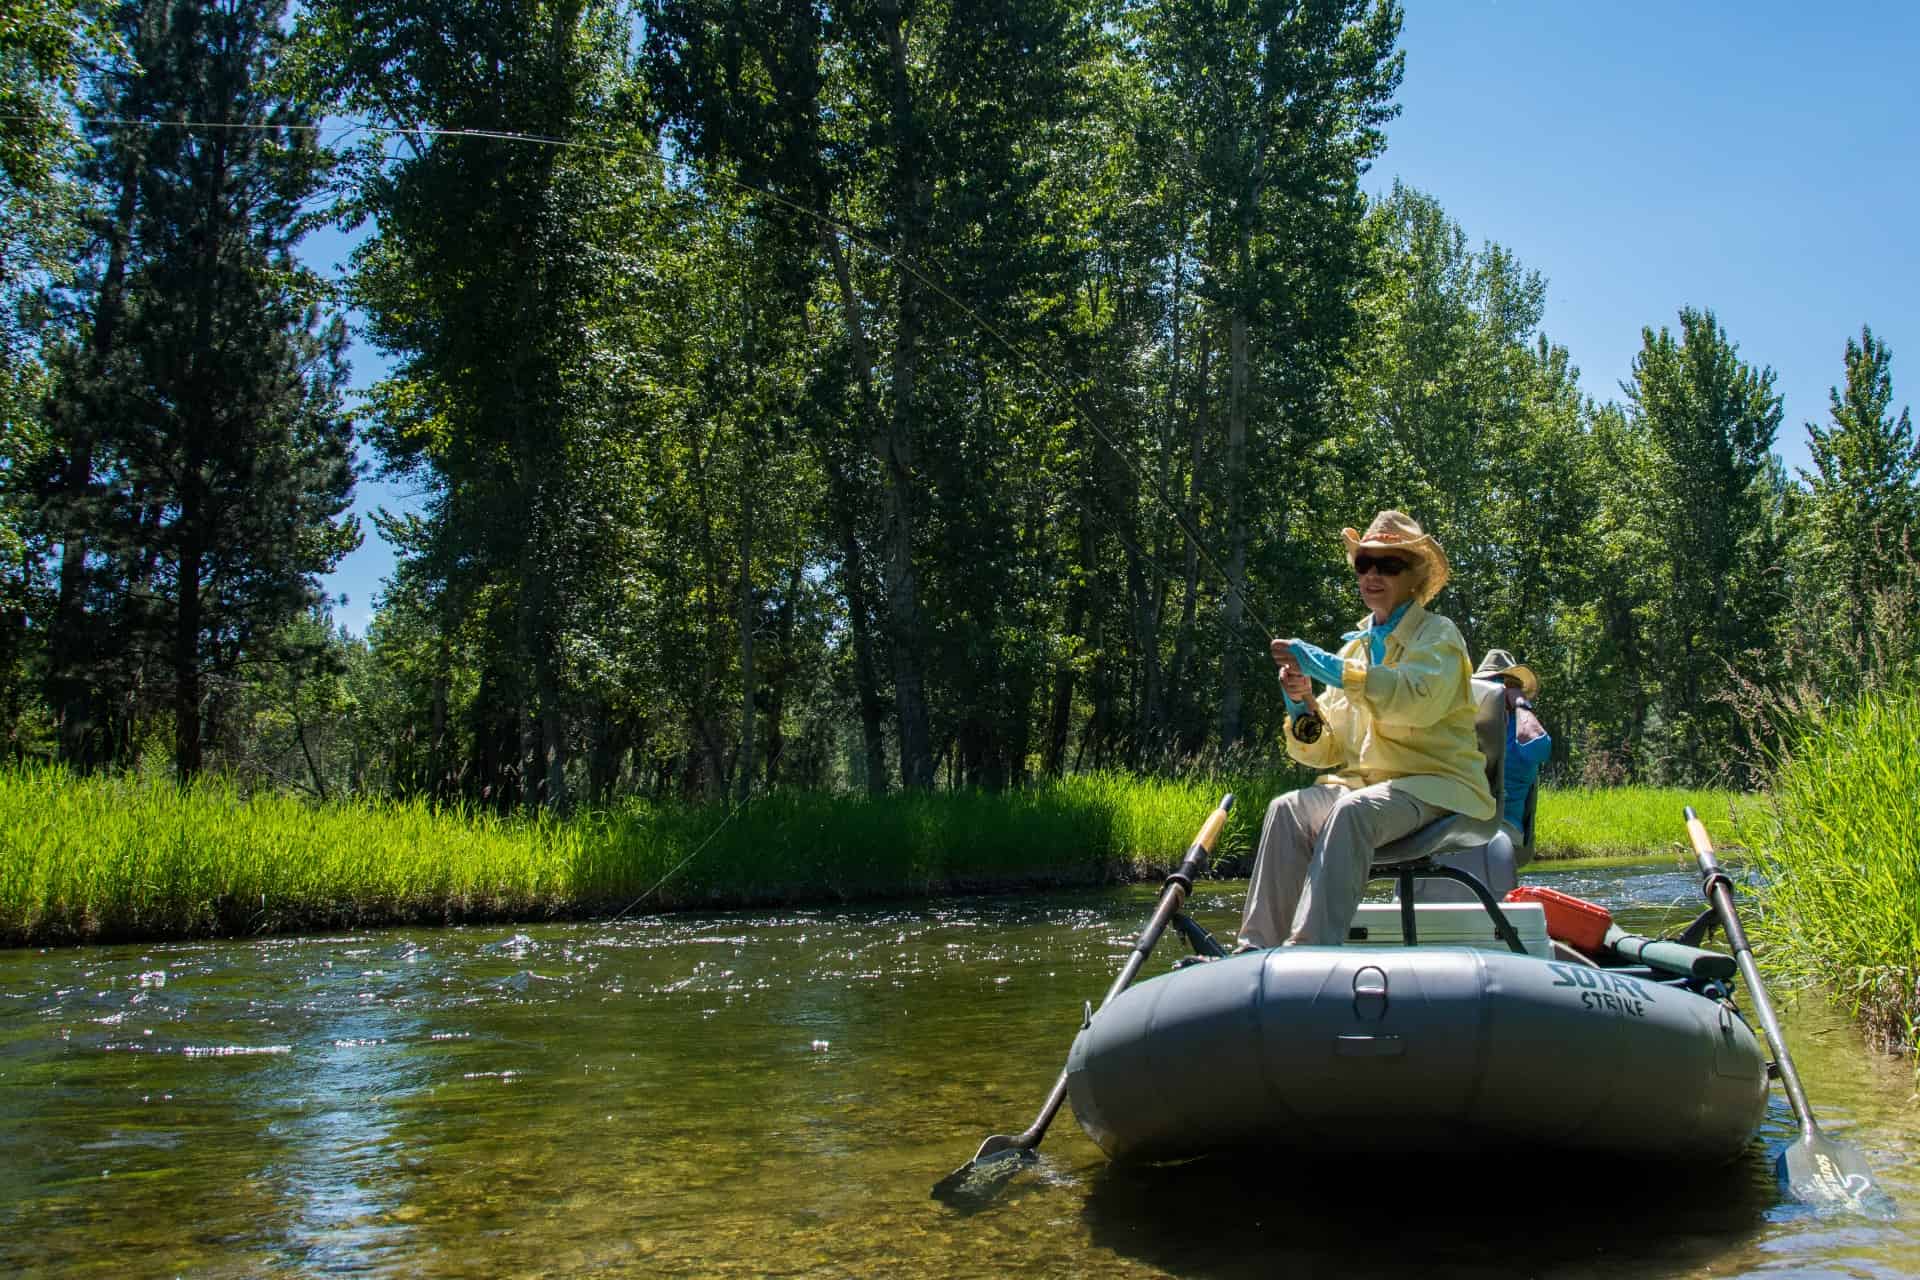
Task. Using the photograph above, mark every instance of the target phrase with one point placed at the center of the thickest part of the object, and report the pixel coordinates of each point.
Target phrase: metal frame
(1425, 868)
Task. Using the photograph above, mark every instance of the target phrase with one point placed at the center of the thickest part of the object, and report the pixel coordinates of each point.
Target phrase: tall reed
(1839, 852)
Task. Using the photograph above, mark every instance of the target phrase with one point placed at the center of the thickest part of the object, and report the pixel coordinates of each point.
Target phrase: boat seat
(1426, 855)
(1495, 864)
(1456, 831)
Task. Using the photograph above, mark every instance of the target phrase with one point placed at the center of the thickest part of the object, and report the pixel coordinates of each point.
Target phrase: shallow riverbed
(770, 1094)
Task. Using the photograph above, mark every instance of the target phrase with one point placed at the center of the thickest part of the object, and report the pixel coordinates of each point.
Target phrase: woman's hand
(1311, 659)
(1292, 679)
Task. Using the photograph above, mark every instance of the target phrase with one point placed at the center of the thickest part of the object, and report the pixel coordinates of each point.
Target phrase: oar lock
(1086, 1014)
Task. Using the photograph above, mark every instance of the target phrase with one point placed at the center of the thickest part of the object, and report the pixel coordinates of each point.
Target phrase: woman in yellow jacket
(1396, 730)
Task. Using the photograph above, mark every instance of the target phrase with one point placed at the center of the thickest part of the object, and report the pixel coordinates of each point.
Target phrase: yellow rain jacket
(1408, 720)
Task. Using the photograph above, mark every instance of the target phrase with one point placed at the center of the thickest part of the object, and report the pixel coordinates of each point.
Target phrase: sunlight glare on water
(772, 1093)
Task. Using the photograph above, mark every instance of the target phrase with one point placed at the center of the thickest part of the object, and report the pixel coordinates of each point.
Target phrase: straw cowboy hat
(1401, 535)
(1499, 662)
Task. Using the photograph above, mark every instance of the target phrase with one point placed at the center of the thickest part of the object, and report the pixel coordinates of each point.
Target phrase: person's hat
(1499, 662)
(1401, 534)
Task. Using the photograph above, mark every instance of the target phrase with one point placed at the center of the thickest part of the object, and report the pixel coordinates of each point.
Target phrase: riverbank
(1839, 855)
(111, 859)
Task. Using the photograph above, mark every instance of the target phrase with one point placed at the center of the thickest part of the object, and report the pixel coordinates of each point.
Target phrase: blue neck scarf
(1377, 633)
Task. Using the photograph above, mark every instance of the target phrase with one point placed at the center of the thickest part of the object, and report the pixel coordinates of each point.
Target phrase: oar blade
(1833, 1178)
(974, 1184)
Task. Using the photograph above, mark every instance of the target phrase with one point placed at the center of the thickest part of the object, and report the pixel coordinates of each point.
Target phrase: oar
(1814, 1168)
(1002, 1152)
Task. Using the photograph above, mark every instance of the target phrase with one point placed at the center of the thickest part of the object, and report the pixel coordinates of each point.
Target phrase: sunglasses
(1391, 566)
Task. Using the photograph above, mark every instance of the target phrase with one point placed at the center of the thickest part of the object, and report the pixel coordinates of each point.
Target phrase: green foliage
(836, 394)
(1839, 857)
(44, 44)
(196, 461)
(42, 47)
(23, 446)
(1707, 420)
(1852, 565)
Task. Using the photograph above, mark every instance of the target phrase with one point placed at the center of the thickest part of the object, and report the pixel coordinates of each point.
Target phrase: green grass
(100, 859)
(1598, 822)
(85, 859)
(1839, 853)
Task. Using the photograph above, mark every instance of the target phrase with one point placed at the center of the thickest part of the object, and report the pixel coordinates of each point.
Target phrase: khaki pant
(1315, 850)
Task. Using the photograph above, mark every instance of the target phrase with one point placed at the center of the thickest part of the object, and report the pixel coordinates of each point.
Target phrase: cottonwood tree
(1712, 508)
(1853, 550)
(921, 125)
(1283, 105)
(480, 281)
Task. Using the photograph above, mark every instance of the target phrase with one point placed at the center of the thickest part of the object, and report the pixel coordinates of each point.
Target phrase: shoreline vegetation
(1838, 855)
(97, 860)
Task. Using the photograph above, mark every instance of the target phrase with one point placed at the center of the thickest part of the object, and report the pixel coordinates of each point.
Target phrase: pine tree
(216, 456)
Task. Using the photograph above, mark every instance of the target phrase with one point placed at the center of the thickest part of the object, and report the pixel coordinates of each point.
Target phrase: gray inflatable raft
(1429, 1048)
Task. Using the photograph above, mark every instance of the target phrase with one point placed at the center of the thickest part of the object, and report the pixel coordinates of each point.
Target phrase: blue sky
(1759, 159)
(1756, 159)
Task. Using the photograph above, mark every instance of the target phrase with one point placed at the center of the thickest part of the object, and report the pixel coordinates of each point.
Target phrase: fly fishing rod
(1307, 727)
(851, 235)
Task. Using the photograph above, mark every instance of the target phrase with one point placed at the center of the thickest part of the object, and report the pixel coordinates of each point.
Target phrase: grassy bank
(1600, 822)
(1839, 852)
(106, 859)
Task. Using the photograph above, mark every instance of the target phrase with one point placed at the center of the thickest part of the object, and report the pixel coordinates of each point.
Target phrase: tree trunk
(553, 745)
(744, 764)
(782, 674)
(73, 683)
(1060, 713)
(186, 668)
(1185, 639)
(1233, 608)
(866, 678)
(859, 611)
(1060, 716)
(894, 448)
(439, 777)
(1145, 617)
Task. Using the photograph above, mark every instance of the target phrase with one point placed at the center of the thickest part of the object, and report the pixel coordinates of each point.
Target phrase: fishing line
(849, 234)
(676, 867)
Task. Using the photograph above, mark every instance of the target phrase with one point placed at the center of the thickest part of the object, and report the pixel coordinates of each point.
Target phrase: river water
(773, 1094)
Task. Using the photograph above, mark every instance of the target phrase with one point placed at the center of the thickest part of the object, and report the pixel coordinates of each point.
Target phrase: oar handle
(1715, 882)
(1179, 885)
(1718, 888)
(1201, 850)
